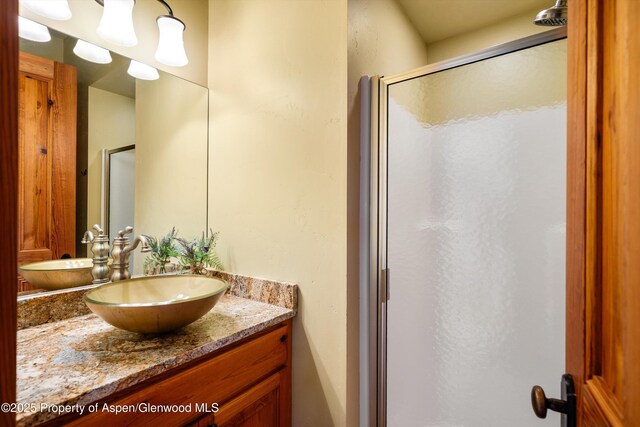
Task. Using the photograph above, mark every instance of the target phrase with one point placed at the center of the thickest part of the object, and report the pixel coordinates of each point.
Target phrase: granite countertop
(84, 359)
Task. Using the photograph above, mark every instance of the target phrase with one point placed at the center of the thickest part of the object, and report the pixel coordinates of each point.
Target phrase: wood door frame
(576, 261)
(9, 198)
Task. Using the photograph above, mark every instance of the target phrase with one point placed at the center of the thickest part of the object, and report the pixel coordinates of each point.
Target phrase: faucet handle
(127, 230)
(98, 229)
(87, 238)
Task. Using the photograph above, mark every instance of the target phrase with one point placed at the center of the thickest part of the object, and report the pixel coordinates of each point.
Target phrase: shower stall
(465, 275)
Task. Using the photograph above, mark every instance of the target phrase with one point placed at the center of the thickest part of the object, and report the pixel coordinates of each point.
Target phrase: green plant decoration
(198, 253)
(161, 252)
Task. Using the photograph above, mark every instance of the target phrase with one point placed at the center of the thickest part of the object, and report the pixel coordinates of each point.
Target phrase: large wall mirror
(73, 113)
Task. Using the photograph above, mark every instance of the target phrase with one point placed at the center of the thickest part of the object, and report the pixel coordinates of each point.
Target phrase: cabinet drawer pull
(283, 338)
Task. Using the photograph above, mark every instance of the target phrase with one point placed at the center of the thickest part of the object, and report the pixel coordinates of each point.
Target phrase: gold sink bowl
(58, 274)
(155, 304)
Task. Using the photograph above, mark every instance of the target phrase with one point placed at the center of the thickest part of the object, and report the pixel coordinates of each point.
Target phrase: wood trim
(602, 406)
(594, 205)
(36, 65)
(9, 199)
(285, 382)
(624, 71)
(610, 316)
(576, 194)
(63, 159)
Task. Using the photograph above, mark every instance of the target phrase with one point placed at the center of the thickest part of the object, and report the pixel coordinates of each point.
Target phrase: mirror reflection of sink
(155, 304)
(58, 274)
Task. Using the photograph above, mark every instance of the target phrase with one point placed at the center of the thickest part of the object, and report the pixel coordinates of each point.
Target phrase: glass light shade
(116, 25)
(32, 30)
(91, 52)
(171, 45)
(52, 9)
(142, 71)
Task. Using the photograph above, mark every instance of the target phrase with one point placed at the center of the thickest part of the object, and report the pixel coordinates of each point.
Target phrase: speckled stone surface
(83, 359)
(47, 307)
(41, 308)
(282, 294)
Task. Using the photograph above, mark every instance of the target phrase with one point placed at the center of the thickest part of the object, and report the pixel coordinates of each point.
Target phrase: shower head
(555, 16)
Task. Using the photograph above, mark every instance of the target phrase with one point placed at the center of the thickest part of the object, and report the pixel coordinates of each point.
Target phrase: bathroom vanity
(230, 368)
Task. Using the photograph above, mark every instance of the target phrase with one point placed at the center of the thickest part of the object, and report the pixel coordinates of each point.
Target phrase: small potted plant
(159, 260)
(198, 253)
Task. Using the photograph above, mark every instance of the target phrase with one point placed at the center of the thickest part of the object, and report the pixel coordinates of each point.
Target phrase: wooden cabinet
(259, 406)
(248, 384)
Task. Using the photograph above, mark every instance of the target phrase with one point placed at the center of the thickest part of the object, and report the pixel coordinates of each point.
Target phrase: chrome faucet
(100, 251)
(121, 251)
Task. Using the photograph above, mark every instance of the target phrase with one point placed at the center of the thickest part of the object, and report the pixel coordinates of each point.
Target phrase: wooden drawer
(258, 406)
(212, 381)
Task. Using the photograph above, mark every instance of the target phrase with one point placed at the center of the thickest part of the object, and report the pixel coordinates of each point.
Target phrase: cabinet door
(257, 407)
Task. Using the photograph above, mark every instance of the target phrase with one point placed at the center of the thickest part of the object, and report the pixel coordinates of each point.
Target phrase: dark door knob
(566, 406)
(540, 403)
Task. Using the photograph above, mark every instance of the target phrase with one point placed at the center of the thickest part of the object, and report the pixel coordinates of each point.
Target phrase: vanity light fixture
(171, 44)
(142, 71)
(33, 31)
(116, 25)
(52, 9)
(91, 52)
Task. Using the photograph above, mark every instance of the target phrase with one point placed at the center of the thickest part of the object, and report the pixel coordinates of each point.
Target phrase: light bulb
(52, 9)
(171, 45)
(116, 25)
(32, 30)
(91, 52)
(142, 71)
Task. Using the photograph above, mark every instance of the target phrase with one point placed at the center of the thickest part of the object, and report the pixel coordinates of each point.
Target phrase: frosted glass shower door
(476, 241)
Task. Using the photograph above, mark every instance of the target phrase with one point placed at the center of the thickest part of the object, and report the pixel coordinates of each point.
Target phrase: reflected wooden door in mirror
(47, 102)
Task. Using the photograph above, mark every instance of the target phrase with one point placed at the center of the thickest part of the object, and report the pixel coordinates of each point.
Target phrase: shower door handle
(566, 406)
(384, 286)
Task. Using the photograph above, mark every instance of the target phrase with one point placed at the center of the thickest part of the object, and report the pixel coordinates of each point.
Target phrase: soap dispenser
(100, 249)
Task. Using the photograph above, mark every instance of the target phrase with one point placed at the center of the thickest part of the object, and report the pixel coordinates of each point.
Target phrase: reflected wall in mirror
(72, 110)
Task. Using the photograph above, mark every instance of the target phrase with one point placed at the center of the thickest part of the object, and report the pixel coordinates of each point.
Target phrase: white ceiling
(439, 19)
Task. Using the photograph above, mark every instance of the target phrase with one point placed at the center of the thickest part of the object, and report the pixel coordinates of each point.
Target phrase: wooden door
(603, 204)
(47, 160)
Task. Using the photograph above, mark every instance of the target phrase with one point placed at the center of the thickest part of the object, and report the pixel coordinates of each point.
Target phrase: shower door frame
(379, 276)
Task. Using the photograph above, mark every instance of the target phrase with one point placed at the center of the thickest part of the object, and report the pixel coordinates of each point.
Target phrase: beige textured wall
(381, 41)
(112, 124)
(171, 158)
(53, 50)
(512, 29)
(87, 14)
(278, 173)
